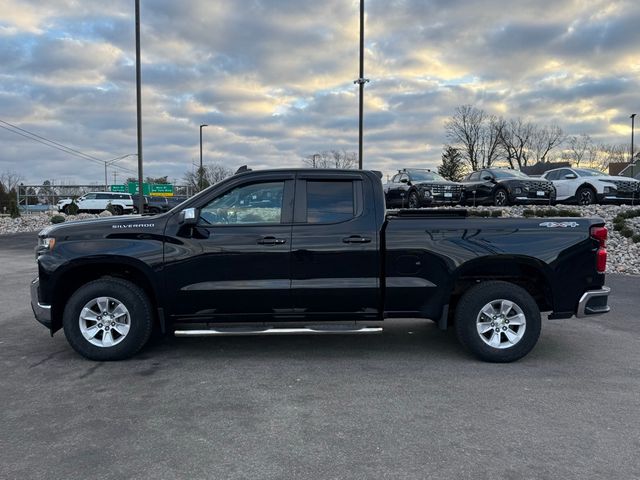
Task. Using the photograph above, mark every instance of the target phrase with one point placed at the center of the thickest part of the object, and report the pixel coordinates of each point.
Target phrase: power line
(58, 146)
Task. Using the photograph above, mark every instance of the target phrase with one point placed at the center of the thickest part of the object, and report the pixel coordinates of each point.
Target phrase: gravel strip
(34, 222)
(623, 253)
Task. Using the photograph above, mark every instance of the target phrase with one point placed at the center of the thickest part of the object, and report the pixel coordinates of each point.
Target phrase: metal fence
(41, 198)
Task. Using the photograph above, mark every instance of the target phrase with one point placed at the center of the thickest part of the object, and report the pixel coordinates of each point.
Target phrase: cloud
(273, 79)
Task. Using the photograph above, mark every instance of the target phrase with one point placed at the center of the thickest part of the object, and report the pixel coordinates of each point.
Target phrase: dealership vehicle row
(415, 188)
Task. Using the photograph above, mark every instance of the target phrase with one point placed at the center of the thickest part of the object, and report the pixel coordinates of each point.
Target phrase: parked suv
(586, 186)
(152, 204)
(416, 188)
(503, 186)
(96, 202)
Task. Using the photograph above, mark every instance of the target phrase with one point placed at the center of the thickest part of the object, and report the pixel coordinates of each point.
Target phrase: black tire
(117, 210)
(585, 196)
(468, 314)
(154, 210)
(414, 199)
(501, 198)
(65, 209)
(140, 319)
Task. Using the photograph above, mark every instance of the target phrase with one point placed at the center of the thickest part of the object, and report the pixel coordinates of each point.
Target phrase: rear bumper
(41, 312)
(593, 302)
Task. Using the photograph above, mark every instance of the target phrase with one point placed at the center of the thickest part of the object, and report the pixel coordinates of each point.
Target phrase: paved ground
(406, 404)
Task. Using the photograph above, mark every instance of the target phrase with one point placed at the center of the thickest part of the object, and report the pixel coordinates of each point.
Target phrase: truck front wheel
(108, 319)
(498, 321)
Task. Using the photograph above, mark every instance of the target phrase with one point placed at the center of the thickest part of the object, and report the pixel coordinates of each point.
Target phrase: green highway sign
(153, 189)
(119, 188)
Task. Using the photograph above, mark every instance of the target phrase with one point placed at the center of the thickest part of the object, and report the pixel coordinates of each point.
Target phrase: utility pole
(361, 81)
(201, 172)
(139, 108)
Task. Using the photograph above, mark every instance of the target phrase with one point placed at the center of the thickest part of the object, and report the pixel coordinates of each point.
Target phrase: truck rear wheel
(108, 319)
(498, 321)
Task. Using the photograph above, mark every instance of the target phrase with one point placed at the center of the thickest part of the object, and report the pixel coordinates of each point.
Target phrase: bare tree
(332, 159)
(465, 130)
(609, 153)
(579, 146)
(490, 135)
(544, 140)
(10, 180)
(515, 140)
(211, 174)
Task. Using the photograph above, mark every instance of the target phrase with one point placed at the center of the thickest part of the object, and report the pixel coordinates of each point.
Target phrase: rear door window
(330, 201)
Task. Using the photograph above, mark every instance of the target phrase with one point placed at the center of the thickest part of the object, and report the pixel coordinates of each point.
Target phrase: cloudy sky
(274, 78)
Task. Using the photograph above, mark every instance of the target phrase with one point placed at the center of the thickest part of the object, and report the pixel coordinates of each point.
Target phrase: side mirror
(189, 216)
(487, 178)
(570, 176)
(404, 180)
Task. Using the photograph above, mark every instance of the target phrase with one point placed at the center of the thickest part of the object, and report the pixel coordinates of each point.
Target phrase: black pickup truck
(313, 251)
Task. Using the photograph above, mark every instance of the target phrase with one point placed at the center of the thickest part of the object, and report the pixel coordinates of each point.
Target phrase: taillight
(601, 260)
(600, 234)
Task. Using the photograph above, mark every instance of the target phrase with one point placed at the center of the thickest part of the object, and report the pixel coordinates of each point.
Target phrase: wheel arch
(81, 272)
(527, 272)
(586, 185)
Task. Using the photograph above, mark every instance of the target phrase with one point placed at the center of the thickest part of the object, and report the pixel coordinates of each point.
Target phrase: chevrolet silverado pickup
(313, 251)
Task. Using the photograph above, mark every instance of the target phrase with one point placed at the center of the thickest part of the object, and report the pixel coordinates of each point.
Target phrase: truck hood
(106, 226)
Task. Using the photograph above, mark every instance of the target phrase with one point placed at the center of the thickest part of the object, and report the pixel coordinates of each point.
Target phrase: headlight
(426, 193)
(609, 189)
(517, 190)
(46, 243)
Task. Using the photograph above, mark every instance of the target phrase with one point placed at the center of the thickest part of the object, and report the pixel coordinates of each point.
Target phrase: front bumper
(41, 312)
(593, 302)
(532, 198)
(619, 197)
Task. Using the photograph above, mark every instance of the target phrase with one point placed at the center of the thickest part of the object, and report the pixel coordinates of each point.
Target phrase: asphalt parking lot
(409, 403)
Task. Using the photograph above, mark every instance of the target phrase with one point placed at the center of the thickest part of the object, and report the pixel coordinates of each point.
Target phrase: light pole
(632, 117)
(139, 111)
(200, 172)
(360, 82)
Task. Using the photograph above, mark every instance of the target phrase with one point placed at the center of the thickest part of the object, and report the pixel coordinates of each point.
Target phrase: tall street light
(633, 117)
(200, 176)
(360, 82)
(139, 110)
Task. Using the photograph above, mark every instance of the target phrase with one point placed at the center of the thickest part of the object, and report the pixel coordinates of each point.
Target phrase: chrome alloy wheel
(501, 323)
(104, 322)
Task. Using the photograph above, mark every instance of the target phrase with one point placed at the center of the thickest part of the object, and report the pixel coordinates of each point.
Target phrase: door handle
(272, 241)
(356, 239)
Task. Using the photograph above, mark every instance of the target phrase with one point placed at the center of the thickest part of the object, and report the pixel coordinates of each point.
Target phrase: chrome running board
(210, 332)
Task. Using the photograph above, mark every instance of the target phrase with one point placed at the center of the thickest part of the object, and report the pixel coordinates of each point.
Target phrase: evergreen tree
(452, 167)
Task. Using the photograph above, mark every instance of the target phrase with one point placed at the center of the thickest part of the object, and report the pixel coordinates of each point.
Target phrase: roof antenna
(242, 169)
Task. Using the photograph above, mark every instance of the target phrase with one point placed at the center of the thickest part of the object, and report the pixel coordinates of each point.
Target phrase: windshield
(588, 172)
(508, 174)
(425, 176)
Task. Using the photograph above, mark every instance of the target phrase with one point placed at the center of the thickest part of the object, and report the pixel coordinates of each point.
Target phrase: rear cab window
(328, 201)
